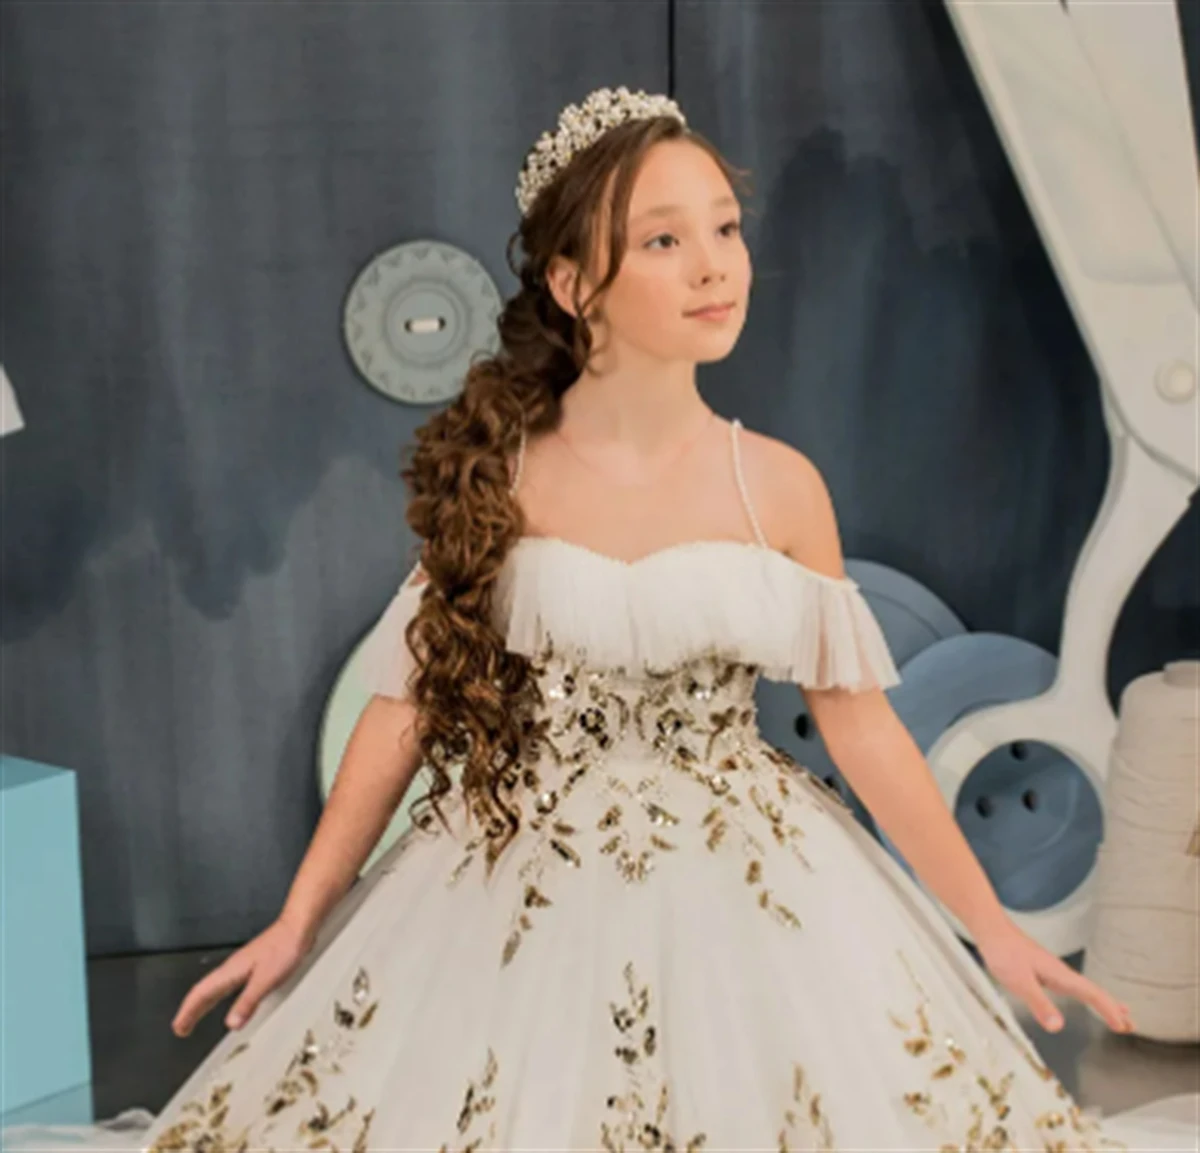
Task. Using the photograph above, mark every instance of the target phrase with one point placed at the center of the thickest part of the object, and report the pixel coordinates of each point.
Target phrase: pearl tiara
(580, 126)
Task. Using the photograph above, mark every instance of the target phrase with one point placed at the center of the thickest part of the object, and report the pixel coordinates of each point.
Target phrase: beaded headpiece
(580, 126)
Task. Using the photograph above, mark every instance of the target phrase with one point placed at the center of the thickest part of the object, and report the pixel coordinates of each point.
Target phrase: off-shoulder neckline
(748, 547)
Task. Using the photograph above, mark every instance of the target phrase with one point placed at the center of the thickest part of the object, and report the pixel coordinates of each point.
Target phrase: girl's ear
(561, 278)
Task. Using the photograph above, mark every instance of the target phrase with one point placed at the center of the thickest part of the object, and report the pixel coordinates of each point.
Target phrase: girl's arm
(379, 763)
(876, 753)
(869, 743)
(883, 764)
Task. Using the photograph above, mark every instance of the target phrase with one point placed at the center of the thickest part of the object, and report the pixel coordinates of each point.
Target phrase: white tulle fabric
(385, 661)
(689, 952)
(733, 599)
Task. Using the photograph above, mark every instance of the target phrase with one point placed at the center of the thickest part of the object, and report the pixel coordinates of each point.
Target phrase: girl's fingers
(1044, 1010)
(245, 1005)
(206, 993)
(1112, 1012)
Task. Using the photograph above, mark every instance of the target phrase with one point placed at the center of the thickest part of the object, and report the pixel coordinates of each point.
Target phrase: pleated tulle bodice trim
(737, 599)
(747, 602)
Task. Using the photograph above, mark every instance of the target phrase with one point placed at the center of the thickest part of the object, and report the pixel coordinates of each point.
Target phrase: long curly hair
(476, 701)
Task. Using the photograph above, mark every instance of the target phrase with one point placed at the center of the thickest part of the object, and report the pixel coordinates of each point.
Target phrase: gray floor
(137, 1060)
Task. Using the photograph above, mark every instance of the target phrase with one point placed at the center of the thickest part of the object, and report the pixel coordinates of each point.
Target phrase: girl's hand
(261, 964)
(1027, 971)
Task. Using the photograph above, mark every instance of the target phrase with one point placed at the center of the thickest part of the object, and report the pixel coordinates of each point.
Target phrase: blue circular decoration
(415, 318)
(1031, 815)
(1035, 822)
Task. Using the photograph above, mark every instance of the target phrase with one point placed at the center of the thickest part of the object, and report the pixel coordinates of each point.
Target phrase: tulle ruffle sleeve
(386, 663)
(834, 639)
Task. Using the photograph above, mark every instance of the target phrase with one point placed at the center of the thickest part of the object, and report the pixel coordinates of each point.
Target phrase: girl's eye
(732, 228)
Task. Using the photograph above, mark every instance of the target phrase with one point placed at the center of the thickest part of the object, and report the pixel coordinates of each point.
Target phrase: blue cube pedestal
(45, 1055)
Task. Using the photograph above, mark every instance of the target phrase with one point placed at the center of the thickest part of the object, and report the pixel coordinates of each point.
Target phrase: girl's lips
(713, 313)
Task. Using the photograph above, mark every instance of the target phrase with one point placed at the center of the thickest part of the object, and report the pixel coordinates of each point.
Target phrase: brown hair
(476, 700)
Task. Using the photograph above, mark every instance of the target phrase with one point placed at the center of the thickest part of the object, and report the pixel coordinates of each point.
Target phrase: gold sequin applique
(668, 757)
(951, 1076)
(806, 1122)
(701, 723)
(585, 718)
(319, 1056)
(1067, 1127)
(692, 726)
(202, 1127)
(478, 1101)
(635, 862)
(639, 1113)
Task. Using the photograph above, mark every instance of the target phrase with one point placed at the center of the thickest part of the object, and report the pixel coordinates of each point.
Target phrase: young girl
(622, 920)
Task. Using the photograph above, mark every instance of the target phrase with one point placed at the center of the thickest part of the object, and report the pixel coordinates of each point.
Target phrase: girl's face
(684, 251)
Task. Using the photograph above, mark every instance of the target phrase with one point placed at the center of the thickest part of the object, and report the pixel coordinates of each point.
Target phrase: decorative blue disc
(415, 318)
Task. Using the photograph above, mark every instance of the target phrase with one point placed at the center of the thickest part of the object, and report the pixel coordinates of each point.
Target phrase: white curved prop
(10, 412)
(1092, 106)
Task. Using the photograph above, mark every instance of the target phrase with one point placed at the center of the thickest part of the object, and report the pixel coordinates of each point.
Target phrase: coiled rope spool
(1145, 941)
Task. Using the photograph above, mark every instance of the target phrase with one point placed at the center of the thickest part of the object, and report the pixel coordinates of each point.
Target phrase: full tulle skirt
(748, 971)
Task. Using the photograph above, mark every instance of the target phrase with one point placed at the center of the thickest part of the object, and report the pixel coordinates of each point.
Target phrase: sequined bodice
(698, 710)
(631, 765)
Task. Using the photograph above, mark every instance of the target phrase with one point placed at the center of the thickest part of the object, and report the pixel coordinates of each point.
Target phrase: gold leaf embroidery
(478, 1101)
(696, 722)
(203, 1123)
(806, 1121)
(638, 1115)
(948, 1060)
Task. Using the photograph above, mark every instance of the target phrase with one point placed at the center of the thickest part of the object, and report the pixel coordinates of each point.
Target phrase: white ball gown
(692, 944)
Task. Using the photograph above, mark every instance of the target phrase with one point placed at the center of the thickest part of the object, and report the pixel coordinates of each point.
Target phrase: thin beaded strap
(741, 481)
(520, 463)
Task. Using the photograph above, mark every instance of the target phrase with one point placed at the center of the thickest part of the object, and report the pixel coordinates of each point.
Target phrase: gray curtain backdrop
(204, 515)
